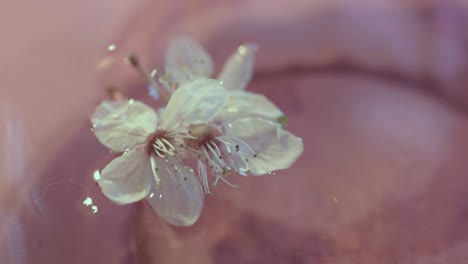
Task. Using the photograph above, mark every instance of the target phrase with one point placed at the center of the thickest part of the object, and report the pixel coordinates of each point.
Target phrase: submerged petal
(186, 59)
(127, 179)
(179, 197)
(262, 146)
(122, 125)
(238, 69)
(242, 104)
(195, 101)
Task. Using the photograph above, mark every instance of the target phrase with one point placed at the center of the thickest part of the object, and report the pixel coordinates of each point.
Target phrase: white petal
(160, 110)
(238, 69)
(186, 59)
(196, 101)
(242, 104)
(128, 178)
(179, 197)
(272, 148)
(123, 125)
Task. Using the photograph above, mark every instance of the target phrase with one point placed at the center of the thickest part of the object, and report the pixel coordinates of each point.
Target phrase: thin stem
(133, 60)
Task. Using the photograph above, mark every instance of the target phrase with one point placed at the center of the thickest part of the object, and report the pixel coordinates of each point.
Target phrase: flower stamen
(203, 174)
(221, 177)
(238, 143)
(154, 168)
(163, 147)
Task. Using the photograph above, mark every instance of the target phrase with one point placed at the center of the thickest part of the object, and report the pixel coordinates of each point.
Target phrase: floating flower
(244, 138)
(241, 139)
(151, 165)
(243, 146)
(216, 123)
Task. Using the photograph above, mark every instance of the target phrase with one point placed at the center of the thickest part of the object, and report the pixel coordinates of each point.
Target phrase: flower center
(159, 143)
(223, 155)
(202, 133)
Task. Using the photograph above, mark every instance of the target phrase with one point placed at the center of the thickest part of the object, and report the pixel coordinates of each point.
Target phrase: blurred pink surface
(377, 89)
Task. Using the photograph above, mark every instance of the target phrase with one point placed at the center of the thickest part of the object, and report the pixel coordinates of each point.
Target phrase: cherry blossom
(206, 122)
(152, 165)
(241, 146)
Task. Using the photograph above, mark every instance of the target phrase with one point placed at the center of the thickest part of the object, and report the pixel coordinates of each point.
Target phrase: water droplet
(96, 175)
(242, 50)
(88, 201)
(153, 72)
(112, 47)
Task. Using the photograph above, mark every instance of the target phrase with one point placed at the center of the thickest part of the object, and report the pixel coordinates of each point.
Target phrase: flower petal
(263, 146)
(196, 101)
(242, 104)
(186, 59)
(128, 178)
(179, 197)
(123, 125)
(238, 69)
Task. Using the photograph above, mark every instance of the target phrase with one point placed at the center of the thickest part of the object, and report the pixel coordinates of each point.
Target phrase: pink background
(377, 90)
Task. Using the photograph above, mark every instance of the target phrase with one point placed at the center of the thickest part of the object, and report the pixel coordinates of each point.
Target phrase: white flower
(152, 164)
(248, 145)
(225, 129)
(186, 59)
(245, 136)
(242, 145)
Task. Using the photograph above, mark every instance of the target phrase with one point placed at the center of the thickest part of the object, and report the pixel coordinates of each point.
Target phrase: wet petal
(179, 197)
(238, 69)
(196, 101)
(186, 59)
(128, 178)
(123, 125)
(263, 147)
(242, 104)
